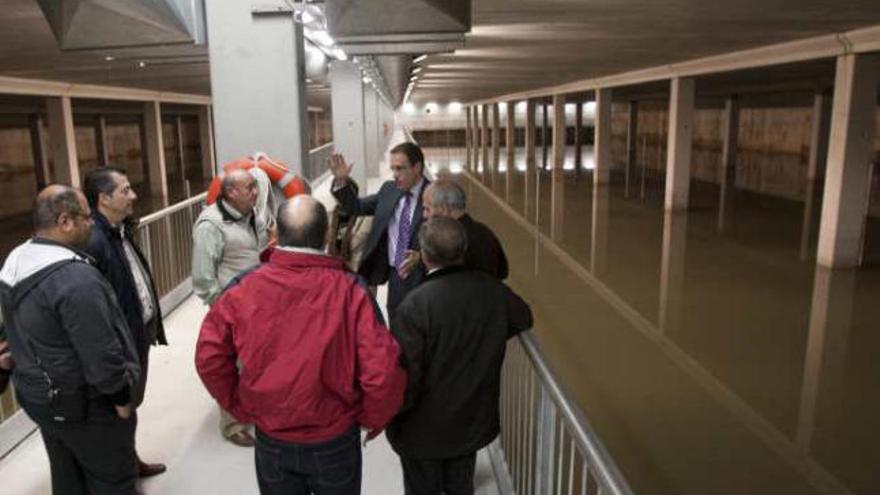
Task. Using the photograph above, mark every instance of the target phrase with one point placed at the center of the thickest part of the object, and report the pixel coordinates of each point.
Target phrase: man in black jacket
(391, 251)
(75, 362)
(445, 198)
(118, 257)
(453, 330)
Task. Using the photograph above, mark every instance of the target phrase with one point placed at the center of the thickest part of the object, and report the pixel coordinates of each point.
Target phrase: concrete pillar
(557, 184)
(467, 140)
(678, 156)
(154, 148)
(510, 139)
(101, 140)
(484, 142)
(849, 158)
(65, 163)
(347, 97)
(40, 153)
(496, 143)
(258, 84)
(545, 123)
(530, 195)
(831, 316)
(206, 142)
(818, 157)
(602, 150)
(578, 141)
(727, 171)
(181, 155)
(672, 263)
(632, 131)
(371, 129)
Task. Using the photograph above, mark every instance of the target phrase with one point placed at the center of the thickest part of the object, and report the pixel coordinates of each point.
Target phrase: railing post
(546, 440)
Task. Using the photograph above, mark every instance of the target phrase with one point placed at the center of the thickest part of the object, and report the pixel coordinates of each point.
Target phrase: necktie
(403, 231)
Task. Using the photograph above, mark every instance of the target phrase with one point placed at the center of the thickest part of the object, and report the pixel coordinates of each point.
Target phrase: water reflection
(712, 358)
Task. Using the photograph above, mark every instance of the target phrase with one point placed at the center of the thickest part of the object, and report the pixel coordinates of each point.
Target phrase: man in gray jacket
(227, 239)
(75, 362)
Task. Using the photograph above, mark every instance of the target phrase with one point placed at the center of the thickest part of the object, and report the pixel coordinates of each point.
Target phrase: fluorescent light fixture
(141, 64)
(431, 107)
(419, 58)
(108, 58)
(409, 108)
(455, 107)
(307, 17)
(414, 78)
(339, 54)
(416, 70)
(367, 80)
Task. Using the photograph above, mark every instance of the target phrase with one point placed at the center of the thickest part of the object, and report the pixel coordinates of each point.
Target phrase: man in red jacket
(317, 361)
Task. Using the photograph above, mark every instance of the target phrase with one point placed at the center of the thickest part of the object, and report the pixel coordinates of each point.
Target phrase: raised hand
(340, 170)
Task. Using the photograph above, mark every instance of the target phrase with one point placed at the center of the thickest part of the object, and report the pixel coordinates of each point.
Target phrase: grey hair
(443, 241)
(445, 192)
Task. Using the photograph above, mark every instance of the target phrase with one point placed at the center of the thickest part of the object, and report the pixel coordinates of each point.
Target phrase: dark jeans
(453, 476)
(95, 456)
(327, 468)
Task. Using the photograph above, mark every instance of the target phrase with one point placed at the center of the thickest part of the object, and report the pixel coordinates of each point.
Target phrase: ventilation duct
(398, 27)
(107, 24)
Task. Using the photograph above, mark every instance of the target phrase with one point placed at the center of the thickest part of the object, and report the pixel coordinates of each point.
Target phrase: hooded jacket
(61, 318)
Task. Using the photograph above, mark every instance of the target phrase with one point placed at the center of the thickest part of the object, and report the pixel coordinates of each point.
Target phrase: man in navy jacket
(119, 259)
(391, 253)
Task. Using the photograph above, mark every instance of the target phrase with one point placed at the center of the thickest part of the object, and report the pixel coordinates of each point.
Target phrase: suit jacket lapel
(417, 217)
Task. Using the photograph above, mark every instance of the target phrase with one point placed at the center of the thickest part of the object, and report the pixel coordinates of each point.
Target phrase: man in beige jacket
(227, 240)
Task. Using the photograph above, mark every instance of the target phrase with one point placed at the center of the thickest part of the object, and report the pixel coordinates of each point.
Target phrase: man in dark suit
(445, 198)
(391, 251)
(453, 330)
(119, 259)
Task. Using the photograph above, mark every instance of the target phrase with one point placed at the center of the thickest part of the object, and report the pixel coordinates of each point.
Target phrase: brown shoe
(146, 470)
(242, 439)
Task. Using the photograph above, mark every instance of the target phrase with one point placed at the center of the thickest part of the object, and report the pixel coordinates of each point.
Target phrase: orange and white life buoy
(286, 181)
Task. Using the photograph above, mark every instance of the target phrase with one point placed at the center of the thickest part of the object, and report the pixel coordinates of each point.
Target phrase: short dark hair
(307, 231)
(412, 151)
(443, 240)
(47, 208)
(100, 180)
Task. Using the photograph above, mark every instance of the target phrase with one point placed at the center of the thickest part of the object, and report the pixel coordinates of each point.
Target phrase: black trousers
(95, 456)
(453, 476)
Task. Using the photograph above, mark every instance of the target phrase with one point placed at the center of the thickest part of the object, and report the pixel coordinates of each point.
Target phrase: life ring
(286, 181)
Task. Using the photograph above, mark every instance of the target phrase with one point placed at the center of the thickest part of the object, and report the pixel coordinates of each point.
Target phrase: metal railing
(547, 446)
(165, 237)
(317, 163)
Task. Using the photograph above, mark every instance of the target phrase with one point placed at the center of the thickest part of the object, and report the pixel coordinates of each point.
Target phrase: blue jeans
(327, 468)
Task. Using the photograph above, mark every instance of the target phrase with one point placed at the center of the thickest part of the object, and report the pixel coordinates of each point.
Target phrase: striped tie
(403, 231)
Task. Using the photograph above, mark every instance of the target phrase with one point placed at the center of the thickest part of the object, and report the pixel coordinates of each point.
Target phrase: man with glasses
(117, 256)
(391, 253)
(75, 362)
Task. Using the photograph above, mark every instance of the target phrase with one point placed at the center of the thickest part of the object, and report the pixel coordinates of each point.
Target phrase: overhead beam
(856, 41)
(40, 87)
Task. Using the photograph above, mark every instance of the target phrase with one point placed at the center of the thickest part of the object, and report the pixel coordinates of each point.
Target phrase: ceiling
(514, 45)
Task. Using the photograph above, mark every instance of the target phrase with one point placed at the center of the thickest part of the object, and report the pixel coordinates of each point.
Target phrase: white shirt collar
(303, 250)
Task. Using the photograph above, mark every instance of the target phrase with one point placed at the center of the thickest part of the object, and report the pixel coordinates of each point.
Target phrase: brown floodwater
(709, 352)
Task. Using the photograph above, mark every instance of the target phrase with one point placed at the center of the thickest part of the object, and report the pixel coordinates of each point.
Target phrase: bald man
(75, 361)
(227, 240)
(317, 361)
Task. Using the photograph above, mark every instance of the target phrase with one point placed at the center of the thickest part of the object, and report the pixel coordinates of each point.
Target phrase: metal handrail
(152, 217)
(610, 477)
